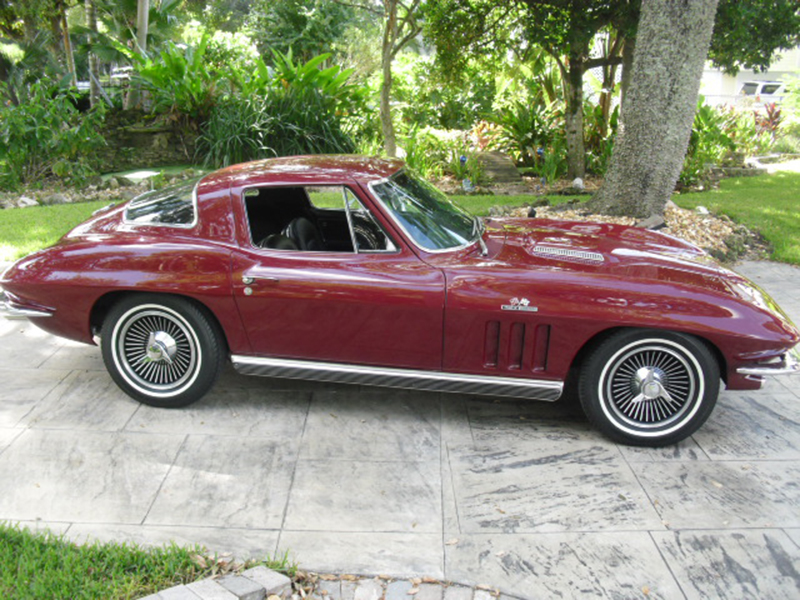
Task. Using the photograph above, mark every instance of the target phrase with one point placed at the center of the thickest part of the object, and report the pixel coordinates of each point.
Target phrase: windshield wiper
(477, 227)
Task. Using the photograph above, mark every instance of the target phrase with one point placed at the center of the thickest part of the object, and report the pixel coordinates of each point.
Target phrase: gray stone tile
(547, 484)
(753, 425)
(368, 589)
(393, 554)
(723, 495)
(92, 477)
(7, 436)
(24, 346)
(85, 400)
(243, 544)
(687, 450)
(227, 482)
(569, 565)
(372, 425)
(794, 535)
(74, 355)
(732, 565)
(458, 592)
(241, 413)
(22, 390)
(366, 496)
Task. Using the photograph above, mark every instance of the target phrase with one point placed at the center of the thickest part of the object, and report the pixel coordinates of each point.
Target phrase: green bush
(45, 137)
(524, 128)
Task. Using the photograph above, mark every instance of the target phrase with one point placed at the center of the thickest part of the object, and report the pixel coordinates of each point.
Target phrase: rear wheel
(649, 388)
(161, 350)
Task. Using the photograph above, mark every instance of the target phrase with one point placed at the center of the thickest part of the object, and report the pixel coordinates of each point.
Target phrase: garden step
(498, 167)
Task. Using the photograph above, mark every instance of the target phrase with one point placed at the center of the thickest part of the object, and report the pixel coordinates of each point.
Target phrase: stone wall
(135, 140)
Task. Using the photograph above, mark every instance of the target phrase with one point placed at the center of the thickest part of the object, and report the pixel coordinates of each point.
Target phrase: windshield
(431, 220)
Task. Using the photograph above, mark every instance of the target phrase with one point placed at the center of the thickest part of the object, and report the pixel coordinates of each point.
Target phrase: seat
(277, 241)
(303, 233)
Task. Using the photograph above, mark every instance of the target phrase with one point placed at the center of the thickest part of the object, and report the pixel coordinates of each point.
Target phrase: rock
(112, 184)
(56, 199)
(577, 184)
(124, 181)
(702, 210)
(96, 181)
(24, 201)
(652, 222)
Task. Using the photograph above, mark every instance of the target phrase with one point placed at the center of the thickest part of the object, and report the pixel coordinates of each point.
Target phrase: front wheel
(161, 350)
(649, 388)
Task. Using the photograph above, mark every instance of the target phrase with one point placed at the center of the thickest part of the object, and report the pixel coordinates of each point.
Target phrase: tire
(161, 350)
(649, 388)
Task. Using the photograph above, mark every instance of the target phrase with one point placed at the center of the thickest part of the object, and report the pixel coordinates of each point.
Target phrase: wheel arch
(587, 348)
(104, 304)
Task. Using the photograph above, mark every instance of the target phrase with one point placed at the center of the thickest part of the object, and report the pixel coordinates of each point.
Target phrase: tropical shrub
(524, 128)
(46, 137)
(708, 143)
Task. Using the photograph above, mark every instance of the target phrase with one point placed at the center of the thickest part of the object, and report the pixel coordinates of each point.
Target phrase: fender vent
(516, 346)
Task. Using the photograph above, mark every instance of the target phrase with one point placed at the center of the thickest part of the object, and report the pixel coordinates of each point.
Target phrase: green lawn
(23, 230)
(769, 204)
(39, 565)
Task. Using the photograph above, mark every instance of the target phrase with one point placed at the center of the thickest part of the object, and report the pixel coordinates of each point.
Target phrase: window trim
(395, 247)
(191, 225)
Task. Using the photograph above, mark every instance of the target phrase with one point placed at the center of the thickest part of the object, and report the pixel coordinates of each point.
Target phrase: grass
(42, 565)
(769, 204)
(24, 230)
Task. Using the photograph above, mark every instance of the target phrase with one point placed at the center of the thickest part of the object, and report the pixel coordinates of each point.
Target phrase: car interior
(286, 218)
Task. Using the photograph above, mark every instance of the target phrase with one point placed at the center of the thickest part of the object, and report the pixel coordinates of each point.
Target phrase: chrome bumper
(786, 364)
(12, 310)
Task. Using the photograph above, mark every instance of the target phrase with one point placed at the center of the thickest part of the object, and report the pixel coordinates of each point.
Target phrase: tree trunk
(671, 47)
(573, 119)
(387, 56)
(627, 69)
(70, 57)
(142, 22)
(94, 71)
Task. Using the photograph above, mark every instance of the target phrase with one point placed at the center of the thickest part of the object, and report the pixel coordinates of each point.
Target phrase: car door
(349, 304)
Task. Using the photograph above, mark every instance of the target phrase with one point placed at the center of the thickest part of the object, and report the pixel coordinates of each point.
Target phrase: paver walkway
(522, 497)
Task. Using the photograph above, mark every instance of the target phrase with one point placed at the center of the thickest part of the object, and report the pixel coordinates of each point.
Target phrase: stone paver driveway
(524, 497)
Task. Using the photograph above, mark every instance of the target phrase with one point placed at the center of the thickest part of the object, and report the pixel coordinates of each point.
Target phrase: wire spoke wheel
(157, 350)
(649, 388)
(163, 351)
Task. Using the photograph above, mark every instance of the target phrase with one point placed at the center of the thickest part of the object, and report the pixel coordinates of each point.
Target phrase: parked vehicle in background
(763, 92)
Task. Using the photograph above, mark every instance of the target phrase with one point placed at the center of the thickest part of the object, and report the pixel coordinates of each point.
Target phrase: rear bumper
(11, 308)
(786, 364)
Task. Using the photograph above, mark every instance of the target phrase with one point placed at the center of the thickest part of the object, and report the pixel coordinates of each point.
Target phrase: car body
(764, 92)
(350, 269)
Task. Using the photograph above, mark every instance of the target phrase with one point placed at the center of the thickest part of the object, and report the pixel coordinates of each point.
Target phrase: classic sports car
(349, 269)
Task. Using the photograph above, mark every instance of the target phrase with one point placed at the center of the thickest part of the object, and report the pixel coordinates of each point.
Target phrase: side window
(314, 219)
(368, 235)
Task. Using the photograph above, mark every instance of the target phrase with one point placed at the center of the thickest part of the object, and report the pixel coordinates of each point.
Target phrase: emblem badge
(520, 304)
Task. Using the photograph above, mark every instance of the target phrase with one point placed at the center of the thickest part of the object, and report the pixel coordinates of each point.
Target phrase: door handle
(250, 279)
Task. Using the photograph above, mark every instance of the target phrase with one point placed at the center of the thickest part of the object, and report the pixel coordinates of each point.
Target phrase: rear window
(173, 205)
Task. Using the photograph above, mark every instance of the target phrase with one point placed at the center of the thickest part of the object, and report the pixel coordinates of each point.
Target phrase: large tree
(671, 48)
(565, 29)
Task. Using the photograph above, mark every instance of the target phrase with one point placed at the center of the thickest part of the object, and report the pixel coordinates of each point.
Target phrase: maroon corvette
(349, 269)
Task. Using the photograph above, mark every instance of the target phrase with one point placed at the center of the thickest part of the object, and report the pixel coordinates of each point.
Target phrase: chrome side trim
(786, 364)
(12, 311)
(535, 389)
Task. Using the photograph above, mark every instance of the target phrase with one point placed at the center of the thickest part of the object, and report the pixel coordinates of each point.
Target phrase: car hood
(605, 249)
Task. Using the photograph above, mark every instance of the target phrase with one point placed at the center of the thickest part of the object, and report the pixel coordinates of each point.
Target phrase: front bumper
(10, 308)
(786, 364)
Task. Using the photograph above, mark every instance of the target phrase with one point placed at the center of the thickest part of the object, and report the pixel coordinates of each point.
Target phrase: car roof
(304, 170)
